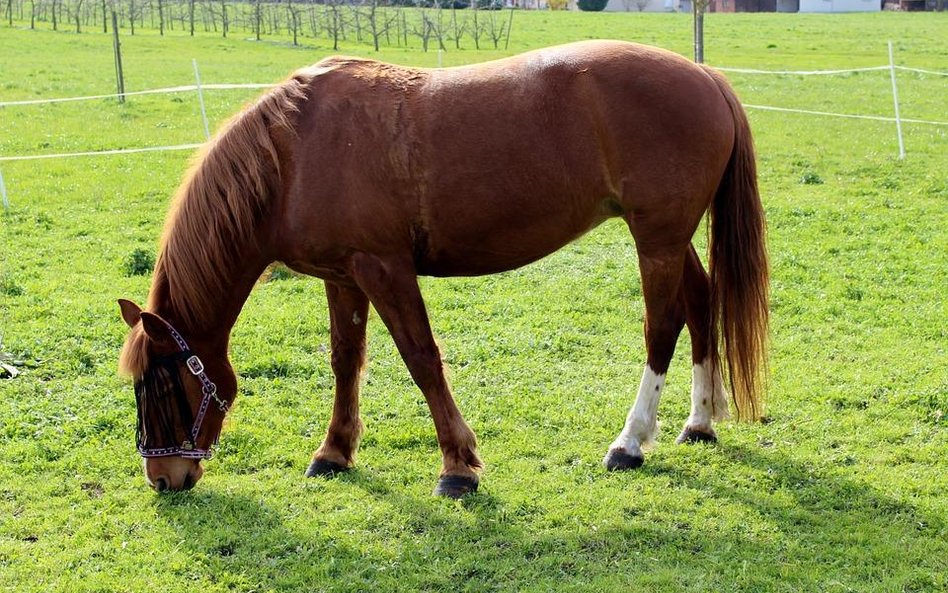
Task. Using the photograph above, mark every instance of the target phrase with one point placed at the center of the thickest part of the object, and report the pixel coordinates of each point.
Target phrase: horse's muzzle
(173, 473)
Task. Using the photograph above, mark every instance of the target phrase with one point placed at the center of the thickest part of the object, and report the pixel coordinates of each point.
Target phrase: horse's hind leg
(348, 308)
(392, 286)
(708, 397)
(664, 318)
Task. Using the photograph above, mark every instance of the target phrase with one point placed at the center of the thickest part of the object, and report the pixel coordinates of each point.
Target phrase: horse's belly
(498, 248)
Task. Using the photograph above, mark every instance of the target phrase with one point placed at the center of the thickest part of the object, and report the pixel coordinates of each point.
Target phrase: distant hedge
(592, 5)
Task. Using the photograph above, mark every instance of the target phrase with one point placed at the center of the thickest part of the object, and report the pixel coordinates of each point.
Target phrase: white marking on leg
(708, 398)
(356, 320)
(719, 397)
(641, 425)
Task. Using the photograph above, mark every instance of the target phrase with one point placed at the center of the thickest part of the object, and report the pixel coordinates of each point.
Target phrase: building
(754, 5)
(646, 6)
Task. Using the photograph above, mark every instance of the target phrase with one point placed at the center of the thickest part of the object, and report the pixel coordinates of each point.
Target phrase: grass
(842, 490)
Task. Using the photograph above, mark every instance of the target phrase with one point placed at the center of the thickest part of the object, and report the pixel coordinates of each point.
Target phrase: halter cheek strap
(188, 449)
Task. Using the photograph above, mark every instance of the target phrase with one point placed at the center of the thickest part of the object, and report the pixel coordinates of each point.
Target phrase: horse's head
(183, 389)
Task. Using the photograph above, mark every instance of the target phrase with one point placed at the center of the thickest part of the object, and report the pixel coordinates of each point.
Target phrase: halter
(149, 388)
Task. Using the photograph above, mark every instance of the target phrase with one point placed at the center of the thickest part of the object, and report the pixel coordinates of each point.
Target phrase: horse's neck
(227, 294)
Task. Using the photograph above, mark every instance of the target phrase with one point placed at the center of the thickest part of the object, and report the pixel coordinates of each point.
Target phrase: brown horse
(367, 175)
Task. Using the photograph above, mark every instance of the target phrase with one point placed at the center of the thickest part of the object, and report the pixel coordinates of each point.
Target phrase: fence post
(895, 99)
(510, 25)
(197, 76)
(3, 193)
(117, 47)
(697, 16)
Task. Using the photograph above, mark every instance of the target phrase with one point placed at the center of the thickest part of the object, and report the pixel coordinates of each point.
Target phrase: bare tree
(132, 8)
(496, 28)
(478, 28)
(294, 14)
(257, 17)
(334, 23)
(458, 28)
(379, 21)
(225, 25)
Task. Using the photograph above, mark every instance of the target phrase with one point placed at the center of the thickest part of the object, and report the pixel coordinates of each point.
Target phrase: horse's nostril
(161, 484)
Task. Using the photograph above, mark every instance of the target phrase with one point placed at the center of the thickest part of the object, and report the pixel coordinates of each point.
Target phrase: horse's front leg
(348, 309)
(392, 286)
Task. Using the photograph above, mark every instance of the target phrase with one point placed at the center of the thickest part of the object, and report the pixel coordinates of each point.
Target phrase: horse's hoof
(455, 486)
(324, 468)
(691, 435)
(618, 460)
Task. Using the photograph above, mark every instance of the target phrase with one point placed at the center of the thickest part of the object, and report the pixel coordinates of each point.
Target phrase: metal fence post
(895, 99)
(197, 76)
(3, 193)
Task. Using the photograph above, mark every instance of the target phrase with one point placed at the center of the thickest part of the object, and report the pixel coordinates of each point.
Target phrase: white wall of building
(840, 5)
(643, 5)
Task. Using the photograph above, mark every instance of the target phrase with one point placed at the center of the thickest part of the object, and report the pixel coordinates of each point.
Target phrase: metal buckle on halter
(195, 365)
(187, 446)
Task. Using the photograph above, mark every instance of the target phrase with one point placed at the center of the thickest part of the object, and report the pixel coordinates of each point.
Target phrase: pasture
(843, 488)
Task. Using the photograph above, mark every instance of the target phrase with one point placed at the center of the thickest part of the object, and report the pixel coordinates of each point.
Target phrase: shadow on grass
(794, 528)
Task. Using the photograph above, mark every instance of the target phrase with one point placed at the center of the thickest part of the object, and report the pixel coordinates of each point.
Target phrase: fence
(200, 88)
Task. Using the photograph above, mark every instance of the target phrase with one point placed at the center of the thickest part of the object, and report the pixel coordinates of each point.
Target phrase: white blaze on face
(641, 425)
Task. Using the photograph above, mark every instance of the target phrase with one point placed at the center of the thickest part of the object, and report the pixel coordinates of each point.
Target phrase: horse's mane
(215, 213)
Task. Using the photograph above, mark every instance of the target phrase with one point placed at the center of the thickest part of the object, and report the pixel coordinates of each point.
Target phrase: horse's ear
(131, 312)
(156, 329)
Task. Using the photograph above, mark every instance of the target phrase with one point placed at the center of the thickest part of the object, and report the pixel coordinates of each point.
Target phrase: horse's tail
(738, 268)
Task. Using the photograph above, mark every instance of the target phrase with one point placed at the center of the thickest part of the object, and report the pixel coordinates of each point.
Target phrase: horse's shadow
(477, 540)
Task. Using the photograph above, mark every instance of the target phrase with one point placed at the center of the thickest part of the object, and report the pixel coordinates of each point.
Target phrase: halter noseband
(188, 448)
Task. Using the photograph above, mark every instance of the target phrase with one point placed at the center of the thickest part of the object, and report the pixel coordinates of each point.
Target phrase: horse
(368, 175)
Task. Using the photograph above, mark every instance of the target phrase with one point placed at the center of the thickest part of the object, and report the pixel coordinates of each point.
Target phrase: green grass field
(844, 489)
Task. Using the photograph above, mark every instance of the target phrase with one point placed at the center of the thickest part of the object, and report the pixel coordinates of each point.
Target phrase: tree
(294, 13)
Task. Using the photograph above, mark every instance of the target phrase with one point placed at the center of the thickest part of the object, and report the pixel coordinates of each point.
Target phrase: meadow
(843, 488)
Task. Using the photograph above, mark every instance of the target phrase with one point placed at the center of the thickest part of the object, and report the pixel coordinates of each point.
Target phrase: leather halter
(188, 448)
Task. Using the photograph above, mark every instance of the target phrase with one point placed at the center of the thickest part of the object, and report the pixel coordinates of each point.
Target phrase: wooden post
(117, 47)
(697, 9)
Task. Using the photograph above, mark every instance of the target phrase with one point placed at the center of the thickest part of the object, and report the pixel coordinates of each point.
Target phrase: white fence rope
(36, 157)
(800, 72)
(921, 70)
(168, 90)
(845, 115)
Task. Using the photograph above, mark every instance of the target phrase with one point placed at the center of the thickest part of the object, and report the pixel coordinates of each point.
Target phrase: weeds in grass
(139, 263)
